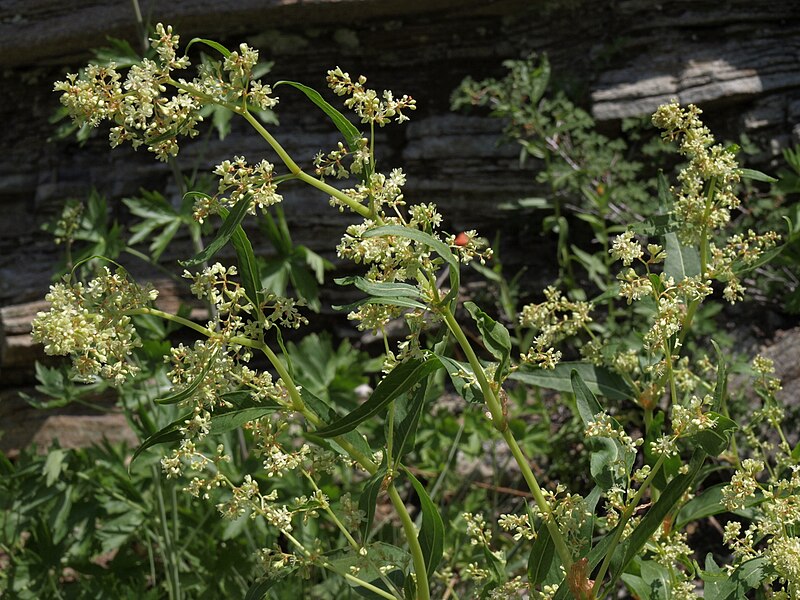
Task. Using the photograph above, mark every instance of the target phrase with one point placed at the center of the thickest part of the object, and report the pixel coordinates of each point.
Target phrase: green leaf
(495, 337)
(714, 441)
(368, 500)
(381, 288)
(754, 175)
(190, 389)
(405, 430)
(721, 585)
(372, 568)
(653, 581)
(224, 234)
(681, 261)
(431, 534)
(211, 44)
(345, 127)
(259, 589)
(599, 380)
(654, 517)
(740, 267)
(541, 557)
(222, 421)
(401, 302)
(606, 453)
(436, 245)
(707, 504)
(248, 266)
(328, 415)
(156, 213)
(400, 380)
(721, 387)
(53, 466)
(656, 226)
(587, 404)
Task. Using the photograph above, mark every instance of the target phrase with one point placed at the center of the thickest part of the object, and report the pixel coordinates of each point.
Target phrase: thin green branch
(423, 591)
(499, 420)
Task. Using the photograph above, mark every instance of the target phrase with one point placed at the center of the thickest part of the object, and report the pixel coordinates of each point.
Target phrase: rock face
(737, 58)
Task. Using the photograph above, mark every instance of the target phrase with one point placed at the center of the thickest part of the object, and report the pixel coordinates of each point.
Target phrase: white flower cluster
(333, 163)
(555, 319)
(138, 105)
(626, 249)
(708, 163)
(238, 179)
(90, 324)
(604, 426)
(691, 419)
(366, 103)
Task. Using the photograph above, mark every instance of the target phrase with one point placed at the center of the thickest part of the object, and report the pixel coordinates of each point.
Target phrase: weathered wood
(737, 58)
(74, 426)
(18, 352)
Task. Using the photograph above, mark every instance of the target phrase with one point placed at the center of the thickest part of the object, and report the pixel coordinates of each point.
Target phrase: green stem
(500, 423)
(623, 521)
(326, 507)
(279, 150)
(704, 242)
(174, 318)
(399, 506)
(326, 565)
(299, 173)
(423, 592)
(670, 372)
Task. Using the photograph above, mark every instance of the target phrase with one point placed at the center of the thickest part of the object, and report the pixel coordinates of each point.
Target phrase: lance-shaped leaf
(328, 415)
(368, 500)
(386, 289)
(606, 454)
(625, 552)
(228, 228)
(248, 267)
(436, 245)
(222, 421)
(495, 337)
(211, 44)
(754, 175)
(258, 590)
(656, 226)
(345, 127)
(382, 563)
(599, 380)
(431, 534)
(401, 379)
(393, 301)
(715, 440)
(654, 518)
(405, 428)
(724, 585)
(541, 557)
(681, 261)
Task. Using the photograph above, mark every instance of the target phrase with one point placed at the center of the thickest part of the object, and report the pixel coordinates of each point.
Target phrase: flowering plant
(630, 527)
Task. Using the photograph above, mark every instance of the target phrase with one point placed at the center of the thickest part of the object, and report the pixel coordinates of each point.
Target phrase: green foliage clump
(373, 496)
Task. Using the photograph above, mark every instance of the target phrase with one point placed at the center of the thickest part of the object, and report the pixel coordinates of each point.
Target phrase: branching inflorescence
(405, 253)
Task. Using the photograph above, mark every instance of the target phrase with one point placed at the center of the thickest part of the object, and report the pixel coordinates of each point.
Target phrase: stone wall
(739, 59)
